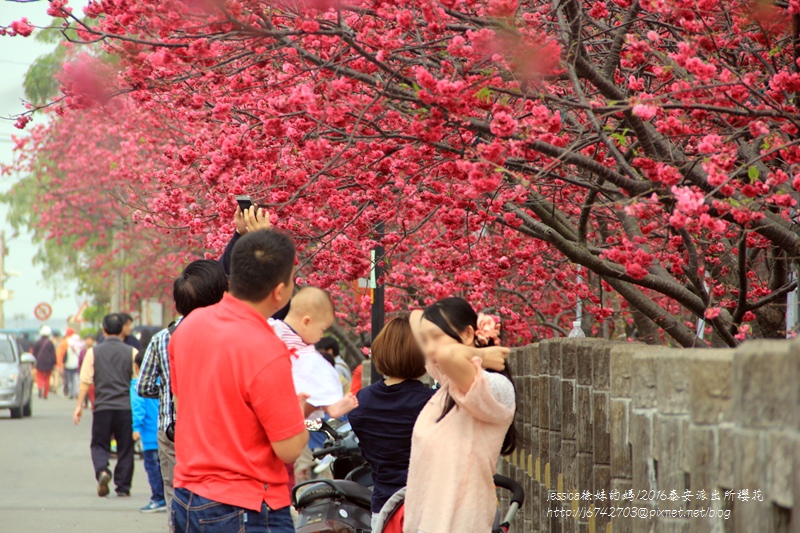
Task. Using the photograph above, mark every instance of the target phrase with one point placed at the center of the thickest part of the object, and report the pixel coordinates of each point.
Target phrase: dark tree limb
(741, 305)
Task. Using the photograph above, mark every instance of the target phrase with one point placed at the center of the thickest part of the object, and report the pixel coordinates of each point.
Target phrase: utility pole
(3, 292)
(377, 293)
(118, 278)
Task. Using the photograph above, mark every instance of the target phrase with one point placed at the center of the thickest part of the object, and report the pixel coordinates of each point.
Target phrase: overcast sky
(16, 54)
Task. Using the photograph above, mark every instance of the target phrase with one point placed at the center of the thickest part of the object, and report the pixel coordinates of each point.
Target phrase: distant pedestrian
(25, 343)
(88, 343)
(110, 367)
(357, 382)
(145, 430)
(329, 346)
(239, 418)
(45, 354)
(127, 332)
(59, 379)
(202, 283)
(71, 365)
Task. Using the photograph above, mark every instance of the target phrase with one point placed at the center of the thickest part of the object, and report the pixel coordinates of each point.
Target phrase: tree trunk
(771, 319)
(646, 330)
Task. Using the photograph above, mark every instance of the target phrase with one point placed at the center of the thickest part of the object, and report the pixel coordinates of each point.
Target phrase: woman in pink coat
(466, 426)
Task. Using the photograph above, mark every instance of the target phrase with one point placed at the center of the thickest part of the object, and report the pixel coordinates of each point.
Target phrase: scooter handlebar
(333, 450)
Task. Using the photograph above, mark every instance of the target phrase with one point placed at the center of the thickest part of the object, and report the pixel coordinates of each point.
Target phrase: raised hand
(493, 357)
(253, 219)
(257, 219)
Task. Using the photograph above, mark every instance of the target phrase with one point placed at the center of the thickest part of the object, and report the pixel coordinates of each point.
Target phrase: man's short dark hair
(126, 318)
(112, 324)
(328, 343)
(202, 283)
(261, 260)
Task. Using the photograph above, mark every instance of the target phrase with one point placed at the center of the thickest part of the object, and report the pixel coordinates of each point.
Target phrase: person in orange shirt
(356, 383)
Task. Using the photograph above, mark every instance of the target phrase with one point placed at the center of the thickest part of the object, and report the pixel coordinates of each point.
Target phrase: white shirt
(502, 389)
(312, 374)
(74, 347)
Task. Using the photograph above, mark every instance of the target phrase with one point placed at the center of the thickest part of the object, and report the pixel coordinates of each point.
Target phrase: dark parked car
(16, 378)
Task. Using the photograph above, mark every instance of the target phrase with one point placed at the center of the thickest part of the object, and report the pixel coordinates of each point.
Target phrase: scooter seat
(350, 490)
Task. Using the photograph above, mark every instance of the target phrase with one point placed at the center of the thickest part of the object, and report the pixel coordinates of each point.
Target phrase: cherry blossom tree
(638, 156)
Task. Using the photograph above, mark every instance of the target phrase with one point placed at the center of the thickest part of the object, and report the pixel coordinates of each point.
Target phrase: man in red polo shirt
(238, 415)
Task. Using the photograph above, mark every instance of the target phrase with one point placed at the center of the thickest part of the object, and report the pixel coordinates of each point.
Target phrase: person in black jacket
(45, 354)
(251, 220)
(387, 410)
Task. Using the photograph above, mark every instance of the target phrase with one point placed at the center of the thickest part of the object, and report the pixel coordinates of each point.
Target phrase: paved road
(47, 482)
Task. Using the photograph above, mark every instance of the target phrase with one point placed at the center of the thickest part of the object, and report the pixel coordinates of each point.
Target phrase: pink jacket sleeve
(479, 401)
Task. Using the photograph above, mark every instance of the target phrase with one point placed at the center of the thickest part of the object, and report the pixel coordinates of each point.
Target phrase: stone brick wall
(605, 418)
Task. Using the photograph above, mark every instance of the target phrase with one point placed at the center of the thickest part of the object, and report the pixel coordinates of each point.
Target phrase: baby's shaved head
(313, 302)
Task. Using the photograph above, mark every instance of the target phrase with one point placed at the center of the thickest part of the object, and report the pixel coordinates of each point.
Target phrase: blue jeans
(194, 514)
(71, 383)
(153, 468)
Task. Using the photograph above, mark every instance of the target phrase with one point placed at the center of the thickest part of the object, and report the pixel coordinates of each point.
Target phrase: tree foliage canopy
(639, 156)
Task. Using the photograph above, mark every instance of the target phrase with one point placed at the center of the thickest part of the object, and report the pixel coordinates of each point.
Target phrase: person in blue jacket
(145, 429)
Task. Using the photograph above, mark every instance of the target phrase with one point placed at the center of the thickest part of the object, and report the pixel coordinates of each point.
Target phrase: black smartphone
(245, 202)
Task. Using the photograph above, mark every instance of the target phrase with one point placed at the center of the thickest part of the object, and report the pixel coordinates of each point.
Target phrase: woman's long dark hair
(453, 316)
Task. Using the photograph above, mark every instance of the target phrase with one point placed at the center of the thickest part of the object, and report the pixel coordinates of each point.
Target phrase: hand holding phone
(250, 218)
(244, 201)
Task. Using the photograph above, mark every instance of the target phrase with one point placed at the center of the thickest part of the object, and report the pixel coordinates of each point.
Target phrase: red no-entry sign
(43, 311)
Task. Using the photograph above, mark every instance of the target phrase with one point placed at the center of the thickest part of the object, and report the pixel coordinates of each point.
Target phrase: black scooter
(342, 505)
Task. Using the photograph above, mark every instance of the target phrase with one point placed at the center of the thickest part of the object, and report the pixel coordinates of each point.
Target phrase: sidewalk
(46, 479)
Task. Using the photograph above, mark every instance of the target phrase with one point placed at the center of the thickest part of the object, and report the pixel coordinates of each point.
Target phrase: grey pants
(166, 455)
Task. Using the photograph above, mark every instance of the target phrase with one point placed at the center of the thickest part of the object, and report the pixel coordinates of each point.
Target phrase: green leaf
(484, 95)
(775, 51)
(752, 173)
(620, 138)
(40, 82)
